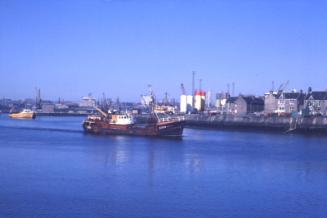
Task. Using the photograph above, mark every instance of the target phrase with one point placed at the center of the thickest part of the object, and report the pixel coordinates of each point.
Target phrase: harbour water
(50, 168)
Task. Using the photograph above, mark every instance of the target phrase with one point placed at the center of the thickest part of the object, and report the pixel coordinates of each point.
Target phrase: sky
(69, 48)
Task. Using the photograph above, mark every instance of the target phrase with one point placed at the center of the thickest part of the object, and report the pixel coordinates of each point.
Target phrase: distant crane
(283, 86)
(183, 89)
(38, 99)
(166, 100)
(193, 87)
(150, 91)
(272, 86)
(104, 101)
(193, 82)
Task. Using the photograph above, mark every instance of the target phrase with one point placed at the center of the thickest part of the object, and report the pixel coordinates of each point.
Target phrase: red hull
(161, 129)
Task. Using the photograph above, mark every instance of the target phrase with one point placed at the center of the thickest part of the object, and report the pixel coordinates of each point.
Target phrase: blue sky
(71, 48)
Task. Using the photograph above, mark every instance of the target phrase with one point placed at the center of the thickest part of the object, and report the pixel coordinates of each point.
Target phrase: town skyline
(71, 48)
(213, 96)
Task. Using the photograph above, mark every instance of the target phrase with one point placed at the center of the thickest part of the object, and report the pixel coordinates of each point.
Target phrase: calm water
(49, 168)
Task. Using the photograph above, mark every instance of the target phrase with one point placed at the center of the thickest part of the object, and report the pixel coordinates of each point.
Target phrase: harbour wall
(62, 114)
(274, 123)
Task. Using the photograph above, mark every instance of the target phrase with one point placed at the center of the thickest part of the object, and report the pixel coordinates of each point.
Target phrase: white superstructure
(186, 103)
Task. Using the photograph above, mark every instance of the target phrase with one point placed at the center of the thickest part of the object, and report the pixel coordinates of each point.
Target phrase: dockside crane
(166, 100)
(104, 101)
(283, 86)
(183, 89)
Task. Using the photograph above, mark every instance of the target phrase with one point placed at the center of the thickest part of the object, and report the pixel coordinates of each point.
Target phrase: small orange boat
(24, 114)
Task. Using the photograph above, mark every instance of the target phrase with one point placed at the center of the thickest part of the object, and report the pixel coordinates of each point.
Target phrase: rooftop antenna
(118, 103)
(166, 101)
(150, 89)
(193, 86)
(183, 89)
(104, 101)
(228, 88)
(38, 98)
(233, 88)
(193, 82)
(273, 86)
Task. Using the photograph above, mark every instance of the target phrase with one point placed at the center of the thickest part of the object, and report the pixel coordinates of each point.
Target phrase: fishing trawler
(153, 124)
(24, 114)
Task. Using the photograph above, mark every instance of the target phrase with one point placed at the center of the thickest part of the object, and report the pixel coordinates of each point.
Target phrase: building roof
(275, 94)
(253, 100)
(231, 100)
(300, 96)
(290, 95)
(317, 95)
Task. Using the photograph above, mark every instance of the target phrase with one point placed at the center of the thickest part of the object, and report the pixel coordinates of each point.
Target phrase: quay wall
(59, 114)
(297, 124)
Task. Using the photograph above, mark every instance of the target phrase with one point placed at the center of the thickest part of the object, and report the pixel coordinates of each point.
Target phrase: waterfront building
(48, 108)
(316, 103)
(230, 107)
(61, 108)
(221, 102)
(199, 100)
(186, 103)
(248, 105)
(271, 102)
(88, 101)
(290, 102)
(6, 104)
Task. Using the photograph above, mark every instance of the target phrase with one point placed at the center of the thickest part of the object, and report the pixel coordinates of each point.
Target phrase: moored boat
(155, 125)
(24, 114)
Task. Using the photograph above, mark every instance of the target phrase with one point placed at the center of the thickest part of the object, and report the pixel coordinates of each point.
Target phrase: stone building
(88, 101)
(221, 102)
(248, 104)
(289, 102)
(271, 102)
(230, 106)
(48, 108)
(316, 103)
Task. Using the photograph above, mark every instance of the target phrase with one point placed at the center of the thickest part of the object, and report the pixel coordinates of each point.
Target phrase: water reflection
(192, 156)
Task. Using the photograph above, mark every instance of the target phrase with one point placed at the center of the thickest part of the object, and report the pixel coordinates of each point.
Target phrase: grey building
(88, 102)
(230, 106)
(271, 102)
(248, 104)
(48, 108)
(289, 102)
(316, 103)
(221, 102)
